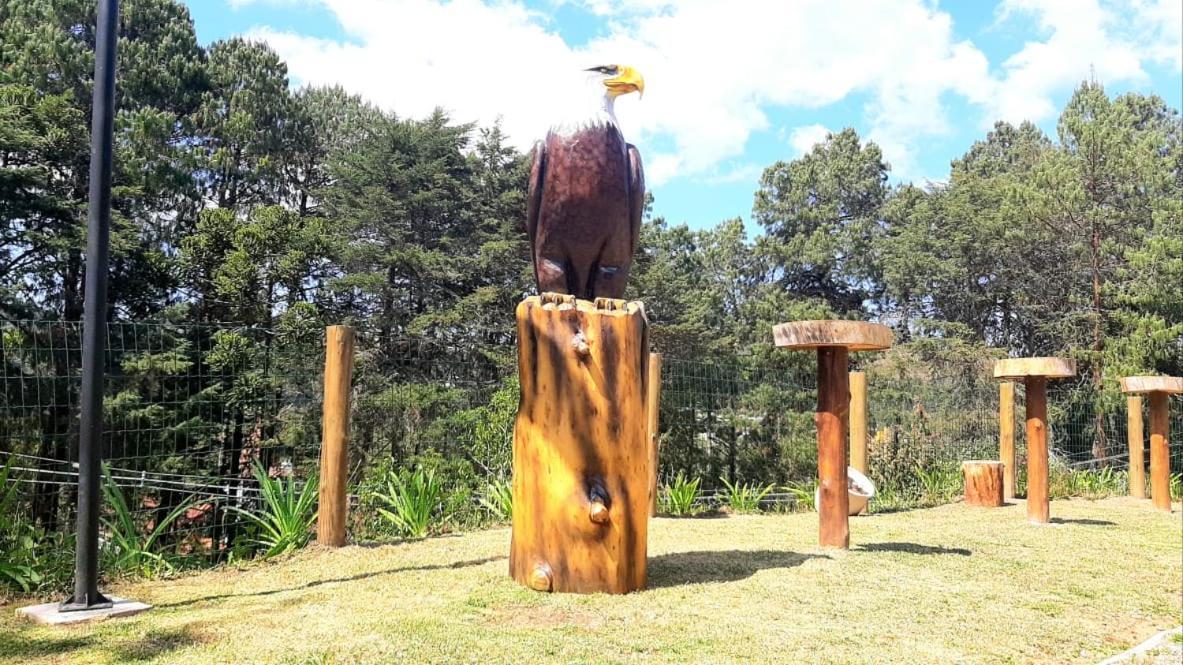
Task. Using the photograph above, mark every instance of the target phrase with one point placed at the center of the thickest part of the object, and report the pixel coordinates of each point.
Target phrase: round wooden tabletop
(1017, 368)
(854, 335)
(1152, 384)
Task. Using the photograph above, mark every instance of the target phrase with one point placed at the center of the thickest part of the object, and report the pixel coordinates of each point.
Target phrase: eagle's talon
(552, 298)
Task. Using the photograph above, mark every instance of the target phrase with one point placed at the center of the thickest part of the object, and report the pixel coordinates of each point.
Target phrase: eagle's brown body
(585, 199)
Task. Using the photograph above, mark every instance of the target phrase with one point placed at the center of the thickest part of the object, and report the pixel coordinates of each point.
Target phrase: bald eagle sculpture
(586, 194)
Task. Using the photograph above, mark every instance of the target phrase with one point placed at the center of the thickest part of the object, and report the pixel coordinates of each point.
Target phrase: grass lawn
(942, 585)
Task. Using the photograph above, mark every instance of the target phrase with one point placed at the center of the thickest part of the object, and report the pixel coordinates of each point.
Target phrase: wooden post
(653, 412)
(983, 482)
(858, 421)
(1037, 462)
(1137, 475)
(580, 452)
(1006, 437)
(334, 447)
(1160, 455)
(858, 435)
(833, 405)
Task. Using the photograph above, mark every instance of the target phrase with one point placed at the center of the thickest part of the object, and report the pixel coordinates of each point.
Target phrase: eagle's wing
(636, 194)
(534, 193)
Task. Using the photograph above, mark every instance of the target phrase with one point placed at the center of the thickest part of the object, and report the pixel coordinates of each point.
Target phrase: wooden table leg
(833, 404)
(1160, 456)
(1037, 494)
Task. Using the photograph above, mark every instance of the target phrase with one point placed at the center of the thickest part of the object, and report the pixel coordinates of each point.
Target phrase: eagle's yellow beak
(628, 80)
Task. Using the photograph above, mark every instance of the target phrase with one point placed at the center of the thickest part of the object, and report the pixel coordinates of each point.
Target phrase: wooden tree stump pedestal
(833, 340)
(983, 482)
(580, 450)
(1158, 388)
(1035, 372)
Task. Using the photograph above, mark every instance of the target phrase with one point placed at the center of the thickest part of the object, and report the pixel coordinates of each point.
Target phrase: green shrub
(410, 501)
(804, 497)
(744, 498)
(1176, 486)
(16, 539)
(128, 548)
(938, 484)
(284, 520)
(680, 497)
(498, 500)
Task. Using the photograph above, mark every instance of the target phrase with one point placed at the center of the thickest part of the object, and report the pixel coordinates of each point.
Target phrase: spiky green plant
(680, 497)
(803, 495)
(938, 484)
(412, 501)
(1176, 486)
(283, 522)
(744, 498)
(16, 539)
(498, 500)
(128, 547)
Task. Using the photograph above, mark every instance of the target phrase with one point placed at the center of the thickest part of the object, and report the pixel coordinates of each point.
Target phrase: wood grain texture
(1137, 442)
(1016, 368)
(580, 454)
(833, 404)
(334, 447)
(652, 426)
(1160, 454)
(1149, 384)
(1006, 437)
(983, 482)
(858, 434)
(1037, 462)
(852, 335)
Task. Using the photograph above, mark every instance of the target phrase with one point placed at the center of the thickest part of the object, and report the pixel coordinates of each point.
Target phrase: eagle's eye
(607, 70)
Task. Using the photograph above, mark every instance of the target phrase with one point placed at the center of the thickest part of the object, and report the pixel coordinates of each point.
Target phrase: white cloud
(1084, 38)
(804, 138)
(714, 69)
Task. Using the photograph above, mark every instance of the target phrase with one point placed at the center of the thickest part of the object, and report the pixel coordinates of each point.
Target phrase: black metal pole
(94, 328)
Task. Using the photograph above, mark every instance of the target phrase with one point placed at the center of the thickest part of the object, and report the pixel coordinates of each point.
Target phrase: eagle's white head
(617, 80)
(595, 106)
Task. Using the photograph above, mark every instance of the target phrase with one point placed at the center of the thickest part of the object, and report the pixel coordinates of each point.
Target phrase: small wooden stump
(580, 450)
(1035, 372)
(833, 340)
(1158, 388)
(983, 482)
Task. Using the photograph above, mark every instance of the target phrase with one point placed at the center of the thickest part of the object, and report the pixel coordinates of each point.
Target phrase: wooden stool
(1158, 387)
(1035, 372)
(833, 341)
(983, 482)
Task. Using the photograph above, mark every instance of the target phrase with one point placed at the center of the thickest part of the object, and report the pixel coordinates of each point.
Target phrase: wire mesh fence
(190, 410)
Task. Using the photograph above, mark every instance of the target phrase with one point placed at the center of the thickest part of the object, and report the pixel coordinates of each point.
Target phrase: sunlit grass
(940, 585)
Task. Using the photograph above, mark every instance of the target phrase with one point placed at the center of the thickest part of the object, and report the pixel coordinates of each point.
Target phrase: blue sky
(731, 87)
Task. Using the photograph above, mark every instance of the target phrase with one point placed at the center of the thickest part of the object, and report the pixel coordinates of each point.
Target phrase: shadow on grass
(678, 568)
(154, 644)
(334, 580)
(912, 548)
(1082, 521)
(19, 647)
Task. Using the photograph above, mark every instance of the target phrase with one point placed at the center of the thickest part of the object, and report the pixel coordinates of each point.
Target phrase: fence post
(1137, 476)
(858, 421)
(1006, 437)
(653, 412)
(334, 447)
